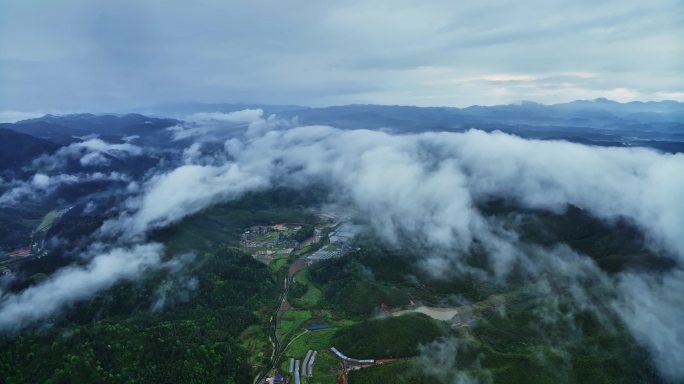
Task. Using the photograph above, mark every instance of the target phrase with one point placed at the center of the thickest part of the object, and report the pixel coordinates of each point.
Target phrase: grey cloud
(80, 55)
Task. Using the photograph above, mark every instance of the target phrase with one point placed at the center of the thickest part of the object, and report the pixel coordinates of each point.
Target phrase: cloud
(41, 185)
(653, 308)
(427, 184)
(74, 283)
(215, 126)
(183, 191)
(438, 359)
(244, 116)
(90, 152)
(510, 77)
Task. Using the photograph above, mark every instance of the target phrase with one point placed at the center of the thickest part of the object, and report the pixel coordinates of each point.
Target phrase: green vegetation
(305, 232)
(325, 369)
(348, 290)
(318, 340)
(390, 337)
(519, 345)
(404, 371)
(255, 341)
(276, 265)
(291, 320)
(304, 293)
(222, 224)
(49, 219)
(523, 346)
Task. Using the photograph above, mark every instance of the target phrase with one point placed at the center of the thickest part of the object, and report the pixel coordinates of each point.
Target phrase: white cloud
(41, 185)
(653, 309)
(215, 126)
(74, 283)
(244, 116)
(185, 190)
(90, 152)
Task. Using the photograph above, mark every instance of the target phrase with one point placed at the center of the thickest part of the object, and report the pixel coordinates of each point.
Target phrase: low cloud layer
(90, 152)
(213, 126)
(41, 185)
(427, 184)
(75, 283)
(653, 309)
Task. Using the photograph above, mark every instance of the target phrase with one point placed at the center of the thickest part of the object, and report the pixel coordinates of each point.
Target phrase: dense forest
(389, 337)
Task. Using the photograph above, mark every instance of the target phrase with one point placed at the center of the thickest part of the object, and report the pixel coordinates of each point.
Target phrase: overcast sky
(78, 55)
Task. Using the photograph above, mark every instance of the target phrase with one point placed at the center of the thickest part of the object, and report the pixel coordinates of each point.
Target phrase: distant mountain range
(603, 122)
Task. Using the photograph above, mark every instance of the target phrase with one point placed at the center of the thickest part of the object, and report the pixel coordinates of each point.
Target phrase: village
(36, 244)
(300, 353)
(332, 238)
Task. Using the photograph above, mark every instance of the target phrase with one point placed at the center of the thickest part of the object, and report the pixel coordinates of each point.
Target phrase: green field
(312, 294)
(318, 340)
(325, 368)
(278, 264)
(291, 320)
(49, 219)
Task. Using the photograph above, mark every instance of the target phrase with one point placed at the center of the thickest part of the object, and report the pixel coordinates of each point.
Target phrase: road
(278, 348)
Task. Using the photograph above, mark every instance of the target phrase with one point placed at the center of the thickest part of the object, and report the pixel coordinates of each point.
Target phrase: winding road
(278, 348)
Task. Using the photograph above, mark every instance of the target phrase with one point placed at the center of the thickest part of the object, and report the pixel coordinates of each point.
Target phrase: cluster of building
(271, 254)
(303, 368)
(340, 244)
(250, 238)
(277, 379)
(21, 252)
(16, 256)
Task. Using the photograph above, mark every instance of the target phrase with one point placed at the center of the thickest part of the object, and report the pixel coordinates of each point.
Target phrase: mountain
(64, 128)
(17, 148)
(602, 122)
(183, 109)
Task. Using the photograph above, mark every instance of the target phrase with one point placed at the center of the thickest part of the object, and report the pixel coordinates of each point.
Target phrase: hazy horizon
(11, 116)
